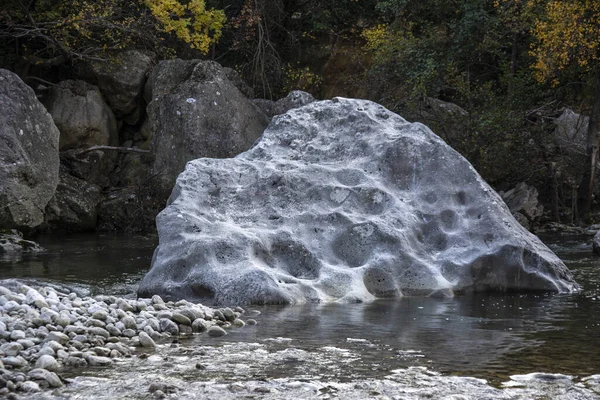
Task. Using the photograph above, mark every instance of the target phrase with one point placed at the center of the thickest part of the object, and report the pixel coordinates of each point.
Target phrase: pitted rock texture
(342, 200)
(28, 155)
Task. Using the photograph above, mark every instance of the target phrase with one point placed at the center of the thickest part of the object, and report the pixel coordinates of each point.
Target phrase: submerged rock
(342, 200)
(12, 244)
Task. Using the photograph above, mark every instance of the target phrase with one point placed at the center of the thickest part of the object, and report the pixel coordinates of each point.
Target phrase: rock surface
(44, 329)
(195, 111)
(81, 115)
(522, 201)
(295, 99)
(12, 244)
(28, 155)
(74, 205)
(596, 243)
(342, 200)
(570, 133)
(122, 81)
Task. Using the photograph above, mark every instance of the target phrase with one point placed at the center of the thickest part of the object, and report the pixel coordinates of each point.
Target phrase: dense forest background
(489, 76)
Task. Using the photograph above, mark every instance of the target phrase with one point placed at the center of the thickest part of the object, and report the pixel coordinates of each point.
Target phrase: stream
(480, 345)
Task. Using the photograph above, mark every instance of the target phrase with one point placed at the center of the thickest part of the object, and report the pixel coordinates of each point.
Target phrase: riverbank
(44, 331)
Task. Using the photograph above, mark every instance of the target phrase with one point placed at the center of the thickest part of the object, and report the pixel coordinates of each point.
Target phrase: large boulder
(195, 111)
(342, 200)
(81, 115)
(74, 205)
(29, 157)
(121, 80)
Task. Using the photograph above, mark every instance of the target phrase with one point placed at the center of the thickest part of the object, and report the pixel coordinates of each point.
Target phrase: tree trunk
(586, 187)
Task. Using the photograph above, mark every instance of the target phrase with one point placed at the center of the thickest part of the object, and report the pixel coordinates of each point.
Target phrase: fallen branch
(111, 148)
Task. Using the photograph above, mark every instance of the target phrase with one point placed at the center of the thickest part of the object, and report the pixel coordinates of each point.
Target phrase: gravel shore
(44, 331)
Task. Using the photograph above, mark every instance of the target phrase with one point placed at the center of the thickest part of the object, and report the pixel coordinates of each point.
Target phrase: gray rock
(228, 314)
(98, 361)
(42, 374)
(47, 362)
(596, 243)
(570, 134)
(121, 80)
(63, 320)
(17, 362)
(181, 319)
(17, 334)
(200, 325)
(237, 81)
(128, 333)
(168, 326)
(57, 337)
(216, 331)
(81, 115)
(74, 205)
(30, 387)
(523, 200)
(100, 314)
(146, 340)
(11, 349)
(28, 155)
(75, 362)
(92, 166)
(195, 111)
(99, 331)
(342, 200)
(294, 99)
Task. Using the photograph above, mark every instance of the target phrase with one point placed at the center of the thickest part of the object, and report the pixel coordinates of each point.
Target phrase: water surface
(486, 336)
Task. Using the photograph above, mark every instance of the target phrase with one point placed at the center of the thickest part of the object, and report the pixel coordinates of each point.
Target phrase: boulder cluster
(102, 152)
(44, 331)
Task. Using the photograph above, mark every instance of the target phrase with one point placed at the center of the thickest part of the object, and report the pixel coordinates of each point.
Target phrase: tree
(55, 32)
(568, 45)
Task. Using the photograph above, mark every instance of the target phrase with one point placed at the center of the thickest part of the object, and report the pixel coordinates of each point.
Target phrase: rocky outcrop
(29, 157)
(195, 111)
(523, 203)
(74, 205)
(121, 80)
(294, 99)
(342, 200)
(81, 115)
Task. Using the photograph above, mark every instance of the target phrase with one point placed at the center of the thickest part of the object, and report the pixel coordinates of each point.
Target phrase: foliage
(54, 32)
(190, 22)
(300, 78)
(568, 35)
